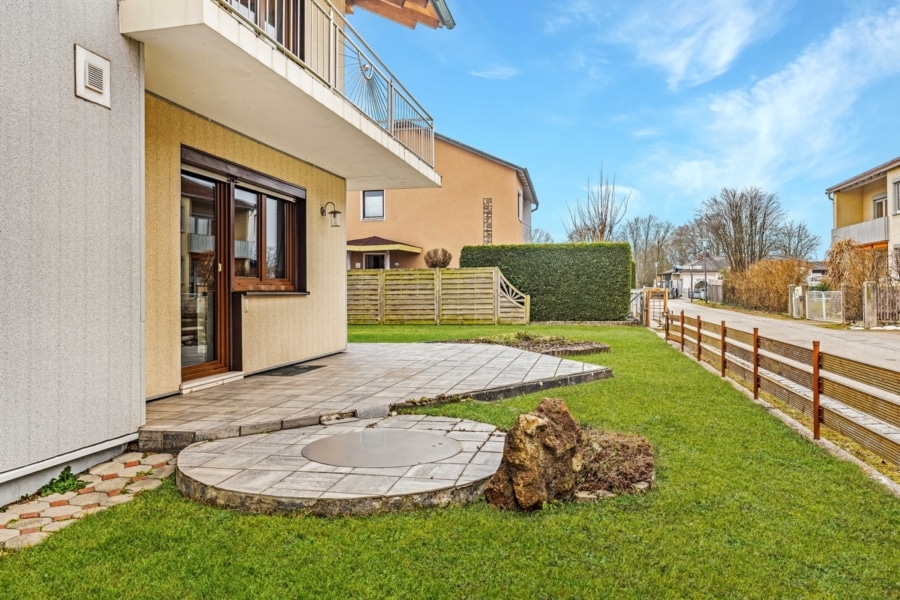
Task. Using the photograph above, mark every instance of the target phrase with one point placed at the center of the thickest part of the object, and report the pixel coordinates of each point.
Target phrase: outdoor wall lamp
(334, 213)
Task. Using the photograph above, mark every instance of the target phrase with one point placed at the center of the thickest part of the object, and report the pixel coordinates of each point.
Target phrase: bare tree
(744, 223)
(595, 219)
(794, 240)
(690, 240)
(540, 236)
(649, 238)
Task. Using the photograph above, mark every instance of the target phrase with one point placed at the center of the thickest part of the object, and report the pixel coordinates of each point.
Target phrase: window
(373, 205)
(263, 225)
(520, 208)
(897, 197)
(879, 210)
(374, 261)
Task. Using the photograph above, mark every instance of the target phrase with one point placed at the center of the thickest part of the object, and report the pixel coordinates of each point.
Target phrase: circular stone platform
(348, 468)
(382, 447)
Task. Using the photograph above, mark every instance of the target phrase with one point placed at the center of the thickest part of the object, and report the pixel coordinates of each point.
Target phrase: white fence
(825, 306)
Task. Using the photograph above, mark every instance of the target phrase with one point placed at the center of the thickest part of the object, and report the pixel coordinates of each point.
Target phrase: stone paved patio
(364, 382)
(269, 472)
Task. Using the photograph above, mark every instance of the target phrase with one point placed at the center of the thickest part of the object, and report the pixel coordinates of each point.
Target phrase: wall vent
(92, 77)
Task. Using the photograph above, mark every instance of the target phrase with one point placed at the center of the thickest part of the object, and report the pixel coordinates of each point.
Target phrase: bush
(764, 286)
(438, 258)
(567, 282)
(849, 268)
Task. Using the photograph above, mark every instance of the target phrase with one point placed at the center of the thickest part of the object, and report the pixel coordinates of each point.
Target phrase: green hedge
(566, 282)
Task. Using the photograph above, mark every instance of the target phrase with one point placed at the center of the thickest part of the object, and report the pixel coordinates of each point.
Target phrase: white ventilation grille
(92, 77)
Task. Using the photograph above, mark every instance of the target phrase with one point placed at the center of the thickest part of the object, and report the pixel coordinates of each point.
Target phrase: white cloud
(695, 41)
(496, 72)
(692, 41)
(789, 122)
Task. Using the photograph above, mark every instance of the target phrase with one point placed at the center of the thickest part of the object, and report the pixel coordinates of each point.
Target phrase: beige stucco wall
(447, 217)
(276, 329)
(856, 205)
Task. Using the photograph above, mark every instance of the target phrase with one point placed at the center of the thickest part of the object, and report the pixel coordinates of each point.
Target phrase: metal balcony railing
(315, 35)
(867, 232)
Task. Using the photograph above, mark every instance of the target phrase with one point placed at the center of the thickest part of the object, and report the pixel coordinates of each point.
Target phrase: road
(878, 347)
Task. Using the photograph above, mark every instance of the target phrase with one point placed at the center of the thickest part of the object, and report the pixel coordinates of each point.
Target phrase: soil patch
(615, 463)
(553, 345)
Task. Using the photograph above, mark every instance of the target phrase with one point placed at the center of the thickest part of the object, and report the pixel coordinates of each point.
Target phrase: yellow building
(867, 210)
(482, 200)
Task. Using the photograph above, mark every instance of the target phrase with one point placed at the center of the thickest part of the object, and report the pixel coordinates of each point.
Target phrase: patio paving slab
(367, 381)
(332, 490)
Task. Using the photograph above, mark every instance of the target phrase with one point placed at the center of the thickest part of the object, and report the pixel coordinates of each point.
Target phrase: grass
(744, 508)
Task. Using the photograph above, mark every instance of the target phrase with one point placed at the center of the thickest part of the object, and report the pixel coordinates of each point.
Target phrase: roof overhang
(431, 13)
(864, 178)
(376, 244)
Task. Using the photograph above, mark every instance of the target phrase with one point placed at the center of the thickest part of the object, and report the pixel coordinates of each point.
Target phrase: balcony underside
(199, 56)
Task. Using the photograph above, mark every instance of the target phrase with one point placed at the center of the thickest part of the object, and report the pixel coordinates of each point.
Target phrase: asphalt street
(875, 347)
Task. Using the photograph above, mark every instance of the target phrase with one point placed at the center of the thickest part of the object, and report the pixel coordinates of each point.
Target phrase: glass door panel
(199, 272)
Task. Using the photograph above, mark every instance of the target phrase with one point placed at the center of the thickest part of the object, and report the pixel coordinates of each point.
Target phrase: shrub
(567, 282)
(849, 268)
(438, 258)
(764, 285)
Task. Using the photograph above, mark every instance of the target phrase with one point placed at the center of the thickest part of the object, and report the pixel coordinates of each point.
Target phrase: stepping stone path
(109, 484)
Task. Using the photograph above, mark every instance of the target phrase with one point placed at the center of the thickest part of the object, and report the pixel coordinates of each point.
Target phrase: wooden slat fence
(859, 400)
(434, 296)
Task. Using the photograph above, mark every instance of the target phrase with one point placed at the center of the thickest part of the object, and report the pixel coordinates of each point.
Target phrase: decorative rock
(586, 497)
(642, 486)
(24, 541)
(541, 456)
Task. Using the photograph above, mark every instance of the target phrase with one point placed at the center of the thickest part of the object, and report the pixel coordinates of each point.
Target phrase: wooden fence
(856, 399)
(434, 296)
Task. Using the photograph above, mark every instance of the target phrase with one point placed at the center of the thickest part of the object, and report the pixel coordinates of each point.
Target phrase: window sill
(272, 293)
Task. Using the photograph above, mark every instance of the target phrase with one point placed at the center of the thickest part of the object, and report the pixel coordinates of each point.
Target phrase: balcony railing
(867, 232)
(314, 34)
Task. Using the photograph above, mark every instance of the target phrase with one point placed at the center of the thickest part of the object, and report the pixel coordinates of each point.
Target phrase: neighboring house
(167, 174)
(483, 200)
(867, 210)
(705, 271)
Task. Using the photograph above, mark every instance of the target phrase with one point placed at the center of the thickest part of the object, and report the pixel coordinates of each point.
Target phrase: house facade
(866, 209)
(692, 278)
(482, 200)
(168, 176)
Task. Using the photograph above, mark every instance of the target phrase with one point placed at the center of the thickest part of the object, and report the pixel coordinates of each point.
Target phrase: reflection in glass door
(199, 277)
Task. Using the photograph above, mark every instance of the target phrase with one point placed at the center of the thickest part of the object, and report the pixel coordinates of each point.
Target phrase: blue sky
(676, 99)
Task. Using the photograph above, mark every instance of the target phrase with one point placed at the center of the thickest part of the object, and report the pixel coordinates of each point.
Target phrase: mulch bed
(614, 462)
(545, 344)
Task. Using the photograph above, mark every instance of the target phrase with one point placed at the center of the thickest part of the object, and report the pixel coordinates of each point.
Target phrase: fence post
(816, 385)
(496, 295)
(756, 363)
(723, 348)
(437, 296)
(699, 337)
(381, 294)
(682, 331)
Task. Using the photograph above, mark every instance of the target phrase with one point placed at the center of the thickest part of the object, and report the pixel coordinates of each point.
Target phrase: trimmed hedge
(566, 282)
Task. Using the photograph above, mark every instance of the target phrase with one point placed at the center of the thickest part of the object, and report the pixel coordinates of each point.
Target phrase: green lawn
(744, 508)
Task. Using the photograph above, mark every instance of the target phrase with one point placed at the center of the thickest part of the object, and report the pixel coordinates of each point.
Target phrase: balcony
(292, 74)
(867, 232)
